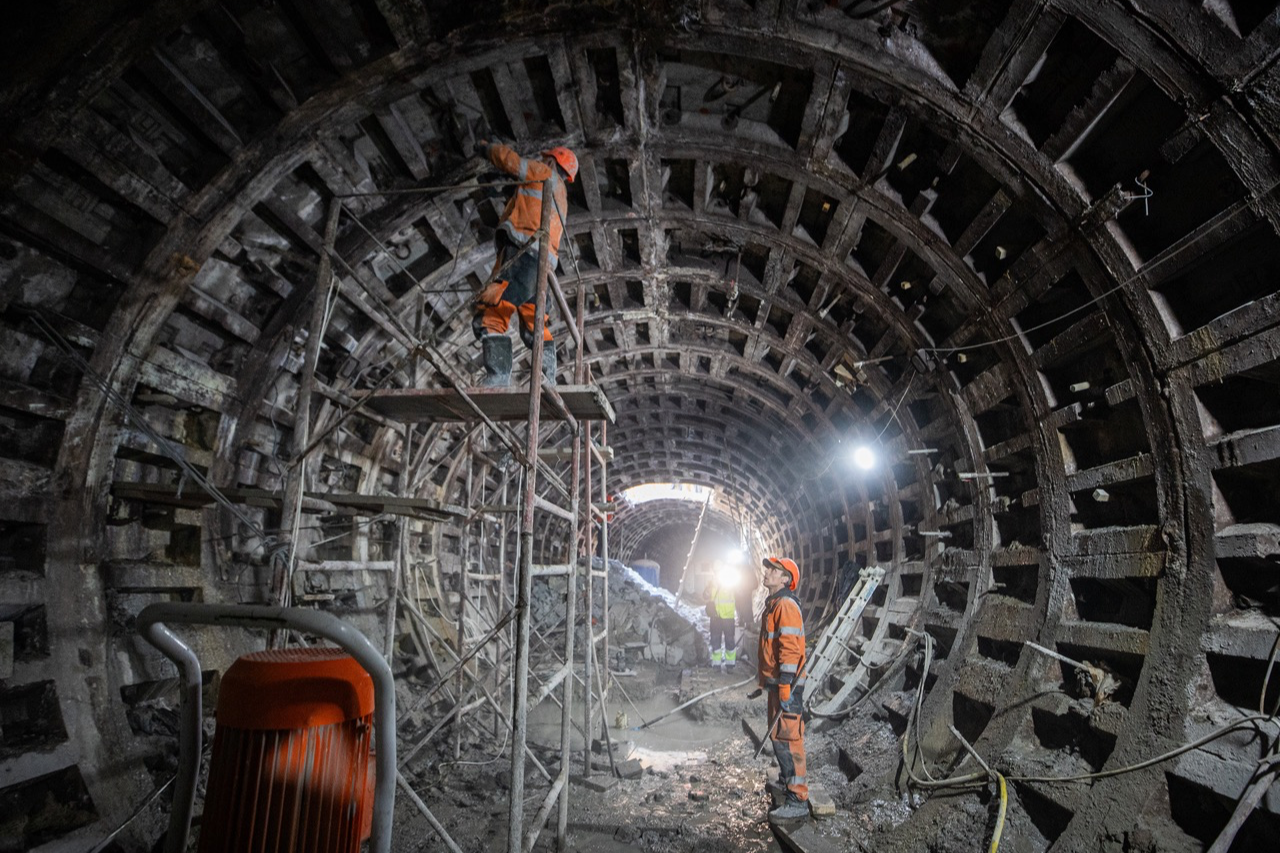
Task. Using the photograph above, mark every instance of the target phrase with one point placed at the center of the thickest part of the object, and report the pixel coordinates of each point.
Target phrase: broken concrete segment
(820, 802)
(805, 838)
(594, 783)
(631, 769)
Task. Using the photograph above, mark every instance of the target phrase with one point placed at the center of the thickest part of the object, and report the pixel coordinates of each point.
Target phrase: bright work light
(864, 458)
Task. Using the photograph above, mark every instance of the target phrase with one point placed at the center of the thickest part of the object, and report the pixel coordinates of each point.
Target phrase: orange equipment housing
(290, 767)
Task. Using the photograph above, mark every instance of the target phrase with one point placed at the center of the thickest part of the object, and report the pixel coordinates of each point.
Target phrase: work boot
(496, 350)
(549, 362)
(792, 809)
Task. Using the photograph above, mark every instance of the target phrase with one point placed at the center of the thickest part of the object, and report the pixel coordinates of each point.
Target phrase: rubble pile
(645, 622)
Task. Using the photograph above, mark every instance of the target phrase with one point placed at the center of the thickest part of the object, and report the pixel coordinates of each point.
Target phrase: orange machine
(290, 767)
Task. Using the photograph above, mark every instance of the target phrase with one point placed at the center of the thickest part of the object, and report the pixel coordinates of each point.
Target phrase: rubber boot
(549, 363)
(497, 361)
(791, 809)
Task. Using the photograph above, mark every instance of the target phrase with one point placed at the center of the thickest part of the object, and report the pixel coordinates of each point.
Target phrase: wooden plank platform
(414, 405)
(193, 497)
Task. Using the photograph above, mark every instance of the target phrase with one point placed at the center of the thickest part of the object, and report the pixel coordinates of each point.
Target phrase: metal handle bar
(152, 626)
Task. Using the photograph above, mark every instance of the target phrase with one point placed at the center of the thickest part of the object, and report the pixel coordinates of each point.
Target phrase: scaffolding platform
(415, 405)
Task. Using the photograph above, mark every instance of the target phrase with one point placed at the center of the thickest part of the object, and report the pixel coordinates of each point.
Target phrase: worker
(722, 610)
(513, 285)
(780, 672)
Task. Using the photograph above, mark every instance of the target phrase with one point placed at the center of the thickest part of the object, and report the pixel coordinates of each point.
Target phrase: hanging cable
(513, 182)
(135, 417)
(893, 415)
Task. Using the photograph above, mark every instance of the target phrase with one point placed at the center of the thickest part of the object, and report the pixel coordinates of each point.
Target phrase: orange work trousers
(788, 747)
(496, 319)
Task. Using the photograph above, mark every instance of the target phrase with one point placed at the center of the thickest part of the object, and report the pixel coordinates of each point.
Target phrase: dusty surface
(702, 787)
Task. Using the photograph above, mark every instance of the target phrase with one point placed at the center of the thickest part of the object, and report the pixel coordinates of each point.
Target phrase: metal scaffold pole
(604, 558)
(524, 595)
(571, 619)
(461, 638)
(588, 710)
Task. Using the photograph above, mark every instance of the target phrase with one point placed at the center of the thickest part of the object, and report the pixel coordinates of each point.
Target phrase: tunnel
(1021, 253)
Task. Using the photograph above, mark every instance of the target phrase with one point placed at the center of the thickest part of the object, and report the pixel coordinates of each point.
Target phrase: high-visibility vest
(724, 602)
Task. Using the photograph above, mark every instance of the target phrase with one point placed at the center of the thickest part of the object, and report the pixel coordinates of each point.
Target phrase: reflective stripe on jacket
(724, 602)
(523, 213)
(781, 655)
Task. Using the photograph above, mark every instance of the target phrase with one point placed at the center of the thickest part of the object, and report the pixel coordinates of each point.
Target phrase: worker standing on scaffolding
(513, 285)
(780, 671)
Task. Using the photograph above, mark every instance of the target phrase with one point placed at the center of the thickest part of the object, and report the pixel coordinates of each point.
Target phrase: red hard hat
(787, 564)
(566, 158)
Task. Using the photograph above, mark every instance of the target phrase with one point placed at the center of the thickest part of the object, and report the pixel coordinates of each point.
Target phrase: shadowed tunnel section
(1027, 250)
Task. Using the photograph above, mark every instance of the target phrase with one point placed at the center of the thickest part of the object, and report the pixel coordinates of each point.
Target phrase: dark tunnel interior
(1024, 251)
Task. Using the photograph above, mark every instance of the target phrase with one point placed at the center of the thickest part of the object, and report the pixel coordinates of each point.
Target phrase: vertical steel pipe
(519, 709)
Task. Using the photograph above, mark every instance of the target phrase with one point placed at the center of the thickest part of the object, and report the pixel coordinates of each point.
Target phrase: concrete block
(594, 783)
(631, 769)
(820, 802)
(805, 838)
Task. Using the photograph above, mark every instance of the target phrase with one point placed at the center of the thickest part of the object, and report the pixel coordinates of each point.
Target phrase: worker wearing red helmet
(780, 671)
(513, 289)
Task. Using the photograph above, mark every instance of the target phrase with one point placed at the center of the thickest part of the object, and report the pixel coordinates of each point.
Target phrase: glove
(784, 693)
(755, 694)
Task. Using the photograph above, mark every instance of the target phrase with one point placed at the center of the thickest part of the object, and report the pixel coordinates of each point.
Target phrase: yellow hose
(1004, 804)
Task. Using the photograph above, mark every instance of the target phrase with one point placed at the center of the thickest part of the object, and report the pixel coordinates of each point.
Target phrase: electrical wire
(1150, 762)
(1266, 680)
(506, 736)
(945, 351)
(1268, 765)
(969, 779)
(1004, 807)
(141, 423)
(893, 415)
(424, 190)
(151, 798)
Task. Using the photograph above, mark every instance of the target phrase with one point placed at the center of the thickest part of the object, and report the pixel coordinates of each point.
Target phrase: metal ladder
(833, 643)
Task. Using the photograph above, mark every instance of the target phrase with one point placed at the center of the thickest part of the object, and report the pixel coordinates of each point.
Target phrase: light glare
(727, 577)
(864, 458)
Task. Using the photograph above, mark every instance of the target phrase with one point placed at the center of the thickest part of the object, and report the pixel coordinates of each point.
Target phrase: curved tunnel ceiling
(797, 226)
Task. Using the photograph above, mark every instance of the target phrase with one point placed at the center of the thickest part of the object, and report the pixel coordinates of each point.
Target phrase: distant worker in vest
(723, 610)
(513, 285)
(780, 671)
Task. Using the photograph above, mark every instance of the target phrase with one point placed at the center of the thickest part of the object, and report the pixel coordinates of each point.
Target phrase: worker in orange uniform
(514, 289)
(780, 671)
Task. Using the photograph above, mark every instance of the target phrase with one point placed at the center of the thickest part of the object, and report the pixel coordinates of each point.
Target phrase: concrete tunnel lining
(1103, 363)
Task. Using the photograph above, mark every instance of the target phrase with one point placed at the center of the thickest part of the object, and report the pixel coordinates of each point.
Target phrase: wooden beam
(193, 497)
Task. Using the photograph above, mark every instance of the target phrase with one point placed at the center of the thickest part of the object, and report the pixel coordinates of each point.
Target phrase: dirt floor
(701, 786)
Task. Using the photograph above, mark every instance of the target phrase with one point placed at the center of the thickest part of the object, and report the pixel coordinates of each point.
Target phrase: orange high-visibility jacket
(781, 657)
(523, 214)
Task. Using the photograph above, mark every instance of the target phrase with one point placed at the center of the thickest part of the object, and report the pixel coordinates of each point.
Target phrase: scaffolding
(471, 622)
